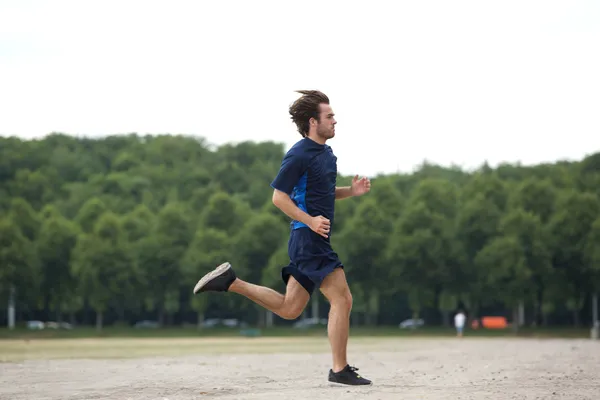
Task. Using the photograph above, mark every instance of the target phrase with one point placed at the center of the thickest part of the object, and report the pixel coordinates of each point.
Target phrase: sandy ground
(400, 368)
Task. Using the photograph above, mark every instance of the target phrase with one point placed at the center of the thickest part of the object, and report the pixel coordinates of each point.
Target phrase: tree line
(119, 229)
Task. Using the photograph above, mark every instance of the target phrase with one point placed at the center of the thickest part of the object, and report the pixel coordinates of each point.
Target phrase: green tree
(528, 230)
(208, 249)
(57, 239)
(25, 217)
(254, 246)
(89, 214)
(103, 266)
(537, 197)
(225, 213)
(478, 224)
(364, 235)
(173, 206)
(505, 262)
(161, 254)
(570, 227)
(19, 268)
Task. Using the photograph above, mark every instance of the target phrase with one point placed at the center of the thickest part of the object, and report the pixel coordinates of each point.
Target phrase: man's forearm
(343, 192)
(289, 208)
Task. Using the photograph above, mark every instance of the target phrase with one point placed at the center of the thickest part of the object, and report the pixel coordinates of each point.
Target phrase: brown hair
(307, 107)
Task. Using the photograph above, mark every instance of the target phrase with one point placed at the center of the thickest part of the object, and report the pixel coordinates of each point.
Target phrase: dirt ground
(449, 368)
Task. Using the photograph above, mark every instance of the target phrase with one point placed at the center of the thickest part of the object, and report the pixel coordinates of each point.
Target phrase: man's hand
(320, 225)
(360, 186)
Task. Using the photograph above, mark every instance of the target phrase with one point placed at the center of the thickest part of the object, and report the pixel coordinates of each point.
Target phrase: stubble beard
(325, 134)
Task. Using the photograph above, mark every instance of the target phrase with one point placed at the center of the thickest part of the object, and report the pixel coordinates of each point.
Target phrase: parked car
(411, 323)
(146, 324)
(35, 325)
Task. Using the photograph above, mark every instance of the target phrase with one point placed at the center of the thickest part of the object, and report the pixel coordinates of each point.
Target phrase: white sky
(448, 81)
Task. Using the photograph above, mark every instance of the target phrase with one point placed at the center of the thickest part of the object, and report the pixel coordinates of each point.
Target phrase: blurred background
(138, 141)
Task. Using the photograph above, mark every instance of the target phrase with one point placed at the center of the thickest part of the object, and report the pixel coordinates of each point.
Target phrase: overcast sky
(447, 81)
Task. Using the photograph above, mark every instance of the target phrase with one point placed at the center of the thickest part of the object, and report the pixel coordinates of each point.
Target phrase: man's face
(326, 125)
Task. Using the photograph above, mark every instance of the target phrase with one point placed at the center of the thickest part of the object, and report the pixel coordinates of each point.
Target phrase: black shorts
(311, 259)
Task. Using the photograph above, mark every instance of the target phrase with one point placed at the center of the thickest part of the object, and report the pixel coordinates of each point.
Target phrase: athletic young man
(305, 190)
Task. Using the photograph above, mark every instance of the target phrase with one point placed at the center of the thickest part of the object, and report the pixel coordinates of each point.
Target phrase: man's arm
(320, 224)
(283, 201)
(292, 168)
(343, 192)
(358, 188)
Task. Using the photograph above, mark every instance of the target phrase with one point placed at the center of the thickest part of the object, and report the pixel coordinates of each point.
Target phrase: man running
(305, 190)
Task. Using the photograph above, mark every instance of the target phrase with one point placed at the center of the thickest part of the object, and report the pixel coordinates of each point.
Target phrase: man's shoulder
(303, 149)
(298, 147)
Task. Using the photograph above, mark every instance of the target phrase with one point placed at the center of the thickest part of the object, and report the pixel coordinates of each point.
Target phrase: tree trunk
(121, 313)
(473, 313)
(415, 317)
(261, 318)
(22, 315)
(11, 308)
(46, 305)
(161, 315)
(86, 312)
(535, 318)
(59, 312)
(98, 321)
(515, 321)
(315, 306)
(521, 313)
(269, 317)
(537, 312)
(373, 306)
(576, 304)
(368, 318)
(200, 319)
(594, 309)
(446, 318)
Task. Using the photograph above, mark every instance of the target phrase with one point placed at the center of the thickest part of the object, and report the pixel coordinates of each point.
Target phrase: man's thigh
(335, 285)
(295, 294)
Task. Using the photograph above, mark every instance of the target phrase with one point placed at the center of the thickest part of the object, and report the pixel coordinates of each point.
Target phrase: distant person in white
(459, 323)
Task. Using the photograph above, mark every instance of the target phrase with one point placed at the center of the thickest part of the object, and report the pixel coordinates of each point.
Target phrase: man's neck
(316, 138)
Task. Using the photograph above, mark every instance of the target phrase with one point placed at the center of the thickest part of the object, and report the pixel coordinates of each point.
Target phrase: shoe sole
(337, 384)
(211, 275)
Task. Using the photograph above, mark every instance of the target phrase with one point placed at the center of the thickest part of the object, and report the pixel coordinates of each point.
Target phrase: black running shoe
(217, 280)
(348, 376)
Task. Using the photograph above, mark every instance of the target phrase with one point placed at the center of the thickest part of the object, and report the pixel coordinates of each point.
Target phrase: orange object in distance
(494, 322)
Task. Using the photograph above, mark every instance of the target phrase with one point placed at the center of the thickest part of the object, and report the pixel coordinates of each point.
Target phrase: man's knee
(336, 290)
(296, 299)
(342, 300)
(292, 311)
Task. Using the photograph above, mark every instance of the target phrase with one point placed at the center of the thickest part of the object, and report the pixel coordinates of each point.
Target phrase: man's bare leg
(224, 279)
(288, 306)
(336, 290)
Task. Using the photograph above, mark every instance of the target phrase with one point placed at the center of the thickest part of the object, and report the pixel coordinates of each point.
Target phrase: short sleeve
(292, 169)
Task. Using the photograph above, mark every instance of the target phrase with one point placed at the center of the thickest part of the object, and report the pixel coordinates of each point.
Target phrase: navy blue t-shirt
(308, 174)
